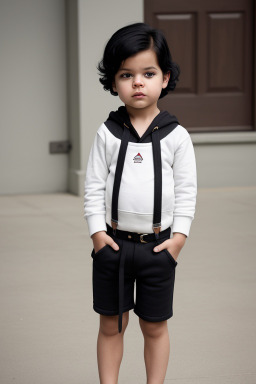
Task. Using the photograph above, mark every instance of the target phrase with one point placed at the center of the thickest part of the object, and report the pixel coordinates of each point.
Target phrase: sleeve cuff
(96, 223)
(182, 224)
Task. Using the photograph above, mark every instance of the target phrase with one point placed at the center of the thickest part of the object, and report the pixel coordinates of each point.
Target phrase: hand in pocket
(100, 239)
(173, 246)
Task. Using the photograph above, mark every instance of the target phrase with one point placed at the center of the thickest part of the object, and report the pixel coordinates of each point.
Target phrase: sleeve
(185, 186)
(95, 185)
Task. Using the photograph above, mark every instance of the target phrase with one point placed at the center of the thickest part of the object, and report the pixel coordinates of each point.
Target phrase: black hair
(130, 40)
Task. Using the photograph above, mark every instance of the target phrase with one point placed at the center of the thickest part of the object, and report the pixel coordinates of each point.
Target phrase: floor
(48, 329)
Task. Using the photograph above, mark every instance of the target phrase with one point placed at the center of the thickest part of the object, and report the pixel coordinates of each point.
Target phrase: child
(140, 186)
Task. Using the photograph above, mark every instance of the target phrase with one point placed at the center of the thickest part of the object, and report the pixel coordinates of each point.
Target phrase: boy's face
(139, 81)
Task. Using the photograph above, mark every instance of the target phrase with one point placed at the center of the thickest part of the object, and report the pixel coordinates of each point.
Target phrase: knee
(153, 329)
(109, 324)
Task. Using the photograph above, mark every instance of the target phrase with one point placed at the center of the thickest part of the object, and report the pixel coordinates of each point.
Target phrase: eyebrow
(144, 69)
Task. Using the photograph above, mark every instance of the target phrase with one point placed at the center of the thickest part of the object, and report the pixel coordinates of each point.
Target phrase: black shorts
(154, 274)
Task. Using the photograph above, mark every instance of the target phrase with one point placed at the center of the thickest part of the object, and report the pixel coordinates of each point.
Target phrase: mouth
(139, 95)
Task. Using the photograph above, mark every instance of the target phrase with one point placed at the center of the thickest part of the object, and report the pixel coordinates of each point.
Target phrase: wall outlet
(60, 146)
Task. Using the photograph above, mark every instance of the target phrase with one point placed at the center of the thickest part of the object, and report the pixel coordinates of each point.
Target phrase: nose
(137, 82)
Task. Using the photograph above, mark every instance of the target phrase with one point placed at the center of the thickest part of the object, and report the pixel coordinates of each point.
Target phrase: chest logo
(138, 158)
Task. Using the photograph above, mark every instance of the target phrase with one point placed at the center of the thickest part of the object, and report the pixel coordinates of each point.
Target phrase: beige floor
(48, 328)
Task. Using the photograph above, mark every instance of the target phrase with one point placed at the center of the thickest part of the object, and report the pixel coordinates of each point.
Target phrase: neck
(142, 114)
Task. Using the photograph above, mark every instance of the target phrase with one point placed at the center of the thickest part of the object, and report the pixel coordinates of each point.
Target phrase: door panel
(212, 41)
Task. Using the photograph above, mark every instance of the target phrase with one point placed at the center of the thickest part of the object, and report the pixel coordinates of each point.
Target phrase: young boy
(140, 186)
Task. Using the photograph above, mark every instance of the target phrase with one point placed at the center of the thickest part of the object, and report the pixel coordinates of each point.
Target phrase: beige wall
(32, 96)
(226, 165)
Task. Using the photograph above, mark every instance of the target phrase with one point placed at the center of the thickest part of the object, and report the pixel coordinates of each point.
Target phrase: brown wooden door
(212, 41)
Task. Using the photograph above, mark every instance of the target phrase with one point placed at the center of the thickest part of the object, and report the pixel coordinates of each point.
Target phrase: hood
(162, 120)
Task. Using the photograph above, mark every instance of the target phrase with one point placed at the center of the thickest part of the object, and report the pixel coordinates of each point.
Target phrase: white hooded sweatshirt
(136, 195)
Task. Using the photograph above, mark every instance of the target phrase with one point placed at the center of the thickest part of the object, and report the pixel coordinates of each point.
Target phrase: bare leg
(110, 348)
(156, 350)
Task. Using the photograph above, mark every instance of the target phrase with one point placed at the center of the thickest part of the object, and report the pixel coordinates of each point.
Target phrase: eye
(125, 75)
(149, 74)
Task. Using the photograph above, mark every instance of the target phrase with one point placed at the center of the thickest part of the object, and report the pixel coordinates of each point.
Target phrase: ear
(166, 79)
(114, 86)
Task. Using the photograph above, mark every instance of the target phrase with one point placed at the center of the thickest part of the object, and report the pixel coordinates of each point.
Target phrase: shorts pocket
(167, 253)
(93, 254)
(170, 257)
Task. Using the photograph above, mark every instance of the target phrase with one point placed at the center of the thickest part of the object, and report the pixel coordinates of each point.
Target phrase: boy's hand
(100, 239)
(174, 245)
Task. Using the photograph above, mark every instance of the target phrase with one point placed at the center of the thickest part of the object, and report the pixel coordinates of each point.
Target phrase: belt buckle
(141, 238)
